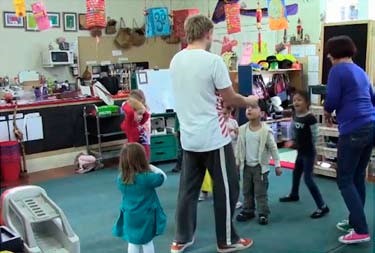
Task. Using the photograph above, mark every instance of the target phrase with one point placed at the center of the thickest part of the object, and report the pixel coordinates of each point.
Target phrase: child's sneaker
(244, 216)
(344, 226)
(180, 247)
(353, 237)
(238, 204)
(263, 219)
(319, 213)
(240, 245)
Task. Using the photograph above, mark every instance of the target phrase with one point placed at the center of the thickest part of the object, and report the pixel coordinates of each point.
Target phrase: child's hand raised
(278, 171)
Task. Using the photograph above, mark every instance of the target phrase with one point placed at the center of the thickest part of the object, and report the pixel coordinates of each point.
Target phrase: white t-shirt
(252, 147)
(196, 77)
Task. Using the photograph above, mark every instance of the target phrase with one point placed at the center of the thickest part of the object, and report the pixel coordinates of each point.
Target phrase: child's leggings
(146, 248)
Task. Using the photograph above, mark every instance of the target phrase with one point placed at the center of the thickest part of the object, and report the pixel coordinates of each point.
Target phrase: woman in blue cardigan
(350, 94)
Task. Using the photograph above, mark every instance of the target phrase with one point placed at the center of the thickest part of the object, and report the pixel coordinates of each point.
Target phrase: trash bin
(10, 162)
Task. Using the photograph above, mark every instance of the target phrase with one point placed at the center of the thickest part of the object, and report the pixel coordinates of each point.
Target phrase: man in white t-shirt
(201, 84)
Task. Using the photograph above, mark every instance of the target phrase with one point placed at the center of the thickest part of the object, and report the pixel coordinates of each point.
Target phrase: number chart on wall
(157, 87)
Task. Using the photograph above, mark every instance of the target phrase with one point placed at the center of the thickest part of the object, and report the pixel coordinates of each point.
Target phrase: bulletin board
(155, 51)
(363, 35)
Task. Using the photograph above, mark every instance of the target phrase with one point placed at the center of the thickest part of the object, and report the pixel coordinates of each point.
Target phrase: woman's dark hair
(340, 47)
(304, 95)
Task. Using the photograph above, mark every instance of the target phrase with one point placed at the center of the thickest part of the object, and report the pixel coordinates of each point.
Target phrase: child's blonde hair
(132, 160)
(136, 104)
(196, 27)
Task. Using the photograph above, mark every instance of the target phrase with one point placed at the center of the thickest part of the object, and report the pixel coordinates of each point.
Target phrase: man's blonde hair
(196, 27)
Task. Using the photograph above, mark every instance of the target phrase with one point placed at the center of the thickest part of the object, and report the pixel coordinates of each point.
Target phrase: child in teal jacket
(141, 215)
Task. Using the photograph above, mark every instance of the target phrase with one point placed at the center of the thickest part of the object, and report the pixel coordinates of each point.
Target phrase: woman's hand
(328, 118)
(289, 144)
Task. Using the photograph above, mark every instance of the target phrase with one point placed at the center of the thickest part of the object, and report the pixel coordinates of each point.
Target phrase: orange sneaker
(180, 247)
(240, 245)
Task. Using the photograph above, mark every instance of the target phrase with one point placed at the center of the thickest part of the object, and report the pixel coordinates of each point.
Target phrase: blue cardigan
(141, 215)
(350, 93)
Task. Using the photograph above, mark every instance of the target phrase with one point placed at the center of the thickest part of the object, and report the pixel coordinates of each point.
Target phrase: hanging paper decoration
(228, 45)
(247, 53)
(19, 8)
(179, 17)
(40, 15)
(157, 22)
(259, 16)
(95, 15)
(219, 14)
(232, 16)
(277, 15)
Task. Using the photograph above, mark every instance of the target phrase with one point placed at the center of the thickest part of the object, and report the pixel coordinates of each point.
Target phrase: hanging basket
(123, 38)
(111, 26)
(138, 35)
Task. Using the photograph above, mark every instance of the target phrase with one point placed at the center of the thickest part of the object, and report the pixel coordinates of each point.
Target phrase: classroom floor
(91, 203)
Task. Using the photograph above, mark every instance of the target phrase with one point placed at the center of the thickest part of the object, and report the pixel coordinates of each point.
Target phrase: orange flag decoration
(277, 15)
(179, 17)
(40, 15)
(95, 16)
(232, 16)
(20, 8)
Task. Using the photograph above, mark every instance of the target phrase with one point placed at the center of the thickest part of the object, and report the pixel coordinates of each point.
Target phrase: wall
(20, 50)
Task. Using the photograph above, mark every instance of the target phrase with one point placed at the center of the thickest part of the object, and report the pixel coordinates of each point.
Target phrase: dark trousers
(305, 165)
(179, 151)
(354, 151)
(255, 186)
(221, 165)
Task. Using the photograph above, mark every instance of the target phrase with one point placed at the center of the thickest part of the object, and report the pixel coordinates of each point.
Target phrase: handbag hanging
(123, 37)
(138, 37)
(111, 26)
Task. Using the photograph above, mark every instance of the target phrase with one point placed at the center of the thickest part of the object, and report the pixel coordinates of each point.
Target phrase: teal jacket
(141, 215)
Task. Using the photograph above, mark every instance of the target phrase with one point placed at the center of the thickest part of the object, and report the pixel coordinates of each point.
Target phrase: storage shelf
(328, 131)
(326, 152)
(329, 172)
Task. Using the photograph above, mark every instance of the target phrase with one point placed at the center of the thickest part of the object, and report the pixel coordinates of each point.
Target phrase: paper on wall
(313, 78)
(298, 51)
(310, 50)
(313, 63)
(116, 53)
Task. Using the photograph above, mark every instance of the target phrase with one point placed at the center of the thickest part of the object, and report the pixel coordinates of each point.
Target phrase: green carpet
(91, 203)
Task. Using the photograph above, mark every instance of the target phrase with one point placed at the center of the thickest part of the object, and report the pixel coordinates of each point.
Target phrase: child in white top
(256, 145)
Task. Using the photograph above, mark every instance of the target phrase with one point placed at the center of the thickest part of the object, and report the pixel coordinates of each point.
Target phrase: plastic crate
(10, 241)
(328, 131)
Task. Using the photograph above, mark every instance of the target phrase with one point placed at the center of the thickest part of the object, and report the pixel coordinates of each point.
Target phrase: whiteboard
(157, 87)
